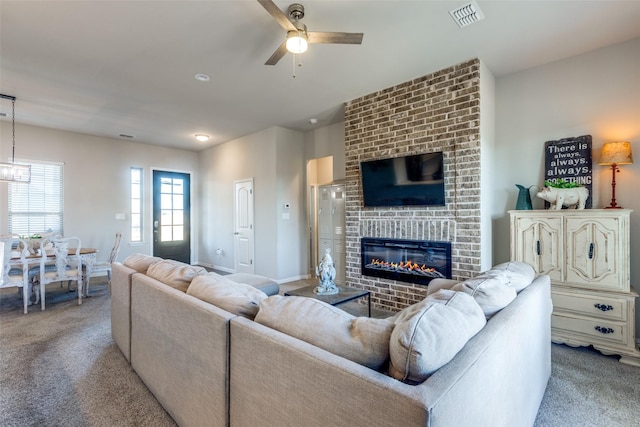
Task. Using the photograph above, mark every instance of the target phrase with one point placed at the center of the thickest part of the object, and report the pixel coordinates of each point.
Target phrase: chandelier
(13, 172)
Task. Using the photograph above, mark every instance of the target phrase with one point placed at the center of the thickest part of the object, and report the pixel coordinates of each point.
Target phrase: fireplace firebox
(413, 261)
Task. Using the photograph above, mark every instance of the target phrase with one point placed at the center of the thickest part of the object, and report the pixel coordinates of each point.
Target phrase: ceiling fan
(297, 35)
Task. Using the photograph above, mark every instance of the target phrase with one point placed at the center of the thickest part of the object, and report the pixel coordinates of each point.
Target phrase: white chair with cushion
(105, 267)
(60, 262)
(14, 270)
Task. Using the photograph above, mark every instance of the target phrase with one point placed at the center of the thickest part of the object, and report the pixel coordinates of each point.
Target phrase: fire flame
(409, 265)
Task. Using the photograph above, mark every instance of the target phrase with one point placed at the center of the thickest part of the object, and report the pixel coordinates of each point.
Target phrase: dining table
(87, 258)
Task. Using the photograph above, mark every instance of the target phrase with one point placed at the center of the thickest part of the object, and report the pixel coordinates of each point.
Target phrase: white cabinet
(331, 223)
(586, 254)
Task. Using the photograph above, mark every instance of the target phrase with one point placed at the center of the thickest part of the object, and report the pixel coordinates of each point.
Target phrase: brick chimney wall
(437, 112)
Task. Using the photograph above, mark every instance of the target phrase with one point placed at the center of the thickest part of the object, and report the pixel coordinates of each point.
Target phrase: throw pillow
(362, 340)
(490, 292)
(430, 333)
(174, 273)
(140, 262)
(237, 298)
(517, 275)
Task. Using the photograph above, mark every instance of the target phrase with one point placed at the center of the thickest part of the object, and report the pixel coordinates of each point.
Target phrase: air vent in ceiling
(467, 14)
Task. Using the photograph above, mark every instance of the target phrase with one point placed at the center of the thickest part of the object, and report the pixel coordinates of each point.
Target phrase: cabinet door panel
(325, 226)
(539, 244)
(591, 253)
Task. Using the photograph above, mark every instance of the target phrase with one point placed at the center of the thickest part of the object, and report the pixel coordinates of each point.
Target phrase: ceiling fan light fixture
(297, 42)
(201, 137)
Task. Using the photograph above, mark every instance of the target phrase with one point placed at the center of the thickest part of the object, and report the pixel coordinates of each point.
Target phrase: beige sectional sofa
(210, 367)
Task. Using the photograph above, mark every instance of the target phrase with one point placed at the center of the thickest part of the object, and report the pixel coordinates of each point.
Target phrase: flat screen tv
(414, 180)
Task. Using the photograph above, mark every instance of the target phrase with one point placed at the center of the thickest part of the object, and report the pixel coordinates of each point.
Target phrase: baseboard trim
(215, 267)
(221, 268)
(293, 279)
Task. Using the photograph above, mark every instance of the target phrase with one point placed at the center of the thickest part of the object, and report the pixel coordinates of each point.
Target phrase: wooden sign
(569, 160)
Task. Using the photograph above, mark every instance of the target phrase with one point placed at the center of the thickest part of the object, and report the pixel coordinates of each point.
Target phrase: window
(39, 206)
(172, 209)
(136, 204)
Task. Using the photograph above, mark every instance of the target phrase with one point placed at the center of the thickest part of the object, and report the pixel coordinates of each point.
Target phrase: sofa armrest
(121, 307)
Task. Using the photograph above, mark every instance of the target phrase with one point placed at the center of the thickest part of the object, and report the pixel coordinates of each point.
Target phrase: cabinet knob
(603, 307)
(538, 247)
(591, 251)
(604, 330)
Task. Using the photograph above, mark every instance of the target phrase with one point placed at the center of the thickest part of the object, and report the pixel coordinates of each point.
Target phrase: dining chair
(60, 262)
(14, 270)
(105, 267)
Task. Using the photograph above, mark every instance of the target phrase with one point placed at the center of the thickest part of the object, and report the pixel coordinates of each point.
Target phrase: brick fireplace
(436, 112)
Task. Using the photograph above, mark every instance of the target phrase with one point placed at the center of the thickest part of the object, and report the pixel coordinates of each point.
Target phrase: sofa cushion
(436, 284)
(490, 292)
(427, 335)
(517, 275)
(140, 262)
(266, 285)
(176, 274)
(360, 339)
(237, 298)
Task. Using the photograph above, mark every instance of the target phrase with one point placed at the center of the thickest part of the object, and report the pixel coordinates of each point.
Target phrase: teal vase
(524, 198)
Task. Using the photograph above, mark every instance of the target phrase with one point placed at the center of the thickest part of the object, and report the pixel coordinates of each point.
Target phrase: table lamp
(614, 154)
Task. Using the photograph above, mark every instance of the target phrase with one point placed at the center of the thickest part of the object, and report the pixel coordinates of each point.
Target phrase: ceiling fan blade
(278, 54)
(278, 15)
(338, 38)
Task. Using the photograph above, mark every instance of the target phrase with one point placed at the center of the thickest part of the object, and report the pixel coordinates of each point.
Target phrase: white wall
(327, 141)
(597, 94)
(252, 156)
(274, 159)
(292, 237)
(487, 147)
(96, 182)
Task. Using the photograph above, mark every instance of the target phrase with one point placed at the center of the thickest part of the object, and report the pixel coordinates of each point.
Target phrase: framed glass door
(172, 215)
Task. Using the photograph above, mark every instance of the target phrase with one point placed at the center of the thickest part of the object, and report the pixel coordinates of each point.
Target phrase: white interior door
(243, 227)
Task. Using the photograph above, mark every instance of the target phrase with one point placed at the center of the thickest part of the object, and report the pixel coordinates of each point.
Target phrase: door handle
(236, 233)
(155, 224)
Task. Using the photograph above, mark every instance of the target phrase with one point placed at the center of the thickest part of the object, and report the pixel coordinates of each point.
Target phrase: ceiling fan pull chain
(293, 66)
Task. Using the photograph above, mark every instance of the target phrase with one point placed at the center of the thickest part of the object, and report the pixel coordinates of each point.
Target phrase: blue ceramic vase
(524, 198)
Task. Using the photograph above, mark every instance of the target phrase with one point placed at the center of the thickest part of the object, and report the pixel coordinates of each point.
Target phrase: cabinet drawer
(604, 307)
(597, 330)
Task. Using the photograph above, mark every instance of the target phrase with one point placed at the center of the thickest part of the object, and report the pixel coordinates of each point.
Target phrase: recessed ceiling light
(202, 77)
(467, 14)
(201, 137)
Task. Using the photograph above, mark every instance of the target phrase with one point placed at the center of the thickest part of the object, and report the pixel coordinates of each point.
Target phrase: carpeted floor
(60, 367)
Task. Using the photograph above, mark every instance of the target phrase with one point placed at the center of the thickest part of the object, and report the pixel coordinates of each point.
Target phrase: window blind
(39, 206)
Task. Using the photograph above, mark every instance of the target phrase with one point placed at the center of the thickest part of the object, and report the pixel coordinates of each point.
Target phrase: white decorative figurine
(326, 272)
(573, 198)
